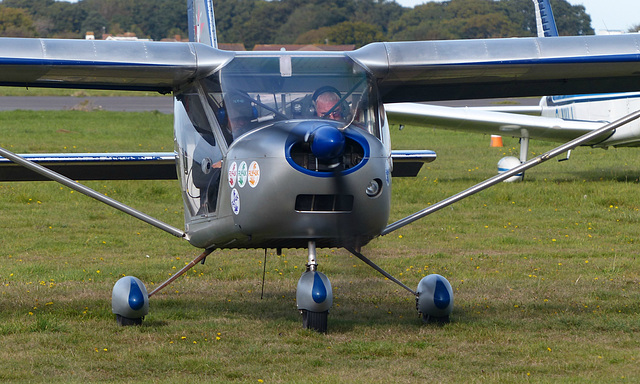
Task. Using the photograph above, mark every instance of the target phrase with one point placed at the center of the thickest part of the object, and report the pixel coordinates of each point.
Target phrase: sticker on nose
(235, 201)
(233, 174)
(254, 174)
(242, 174)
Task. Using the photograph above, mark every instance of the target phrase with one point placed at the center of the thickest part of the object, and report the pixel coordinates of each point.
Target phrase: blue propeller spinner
(327, 143)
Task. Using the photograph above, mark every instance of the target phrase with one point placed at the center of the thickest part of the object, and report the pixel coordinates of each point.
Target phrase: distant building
(303, 47)
(127, 36)
(223, 46)
(130, 36)
(609, 32)
(176, 38)
(231, 47)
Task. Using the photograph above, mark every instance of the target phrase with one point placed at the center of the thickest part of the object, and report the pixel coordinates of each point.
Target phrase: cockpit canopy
(253, 90)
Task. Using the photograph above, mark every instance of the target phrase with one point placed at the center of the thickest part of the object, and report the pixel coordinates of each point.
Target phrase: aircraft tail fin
(544, 19)
(202, 24)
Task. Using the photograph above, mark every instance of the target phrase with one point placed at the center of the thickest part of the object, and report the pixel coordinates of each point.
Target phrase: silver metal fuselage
(264, 186)
(267, 215)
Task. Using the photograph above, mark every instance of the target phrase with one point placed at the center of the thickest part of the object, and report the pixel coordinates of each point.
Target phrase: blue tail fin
(544, 19)
(202, 24)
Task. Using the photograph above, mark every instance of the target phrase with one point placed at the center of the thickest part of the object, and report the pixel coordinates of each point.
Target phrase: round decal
(235, 201)
(233, 174)
(242, 174)
(254, 174)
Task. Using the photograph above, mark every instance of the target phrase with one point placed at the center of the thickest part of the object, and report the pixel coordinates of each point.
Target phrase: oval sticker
(233, 174)
(242, 174)
(254, 174)
(235, 201)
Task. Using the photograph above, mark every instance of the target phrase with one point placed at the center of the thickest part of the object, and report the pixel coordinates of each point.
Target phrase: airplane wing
(151, 166)
(404, 71)
(533, 110)
(489, 122)
(515, 67)
(407, 163)
(95, 166)
(135, 65)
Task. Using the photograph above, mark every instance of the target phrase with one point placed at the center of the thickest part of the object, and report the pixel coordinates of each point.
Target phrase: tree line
(253, 22)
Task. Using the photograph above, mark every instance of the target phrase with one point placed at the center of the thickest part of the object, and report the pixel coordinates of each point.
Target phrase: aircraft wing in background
(151, 166)
(489, 122)
(95, 166)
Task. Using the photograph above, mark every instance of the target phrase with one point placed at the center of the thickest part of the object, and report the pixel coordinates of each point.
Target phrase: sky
(605, 14)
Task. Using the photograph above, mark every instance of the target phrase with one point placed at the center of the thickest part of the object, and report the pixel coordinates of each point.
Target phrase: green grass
(545, 274)
(17, 91)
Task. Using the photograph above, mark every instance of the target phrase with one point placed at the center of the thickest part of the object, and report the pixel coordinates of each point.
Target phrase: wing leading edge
(405, 71)
(150, 166)
(94, 166)
(135, 65)
(473, 69)
(488, 122)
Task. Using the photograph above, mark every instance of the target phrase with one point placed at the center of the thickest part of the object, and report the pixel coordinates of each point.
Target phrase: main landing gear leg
(314, 295)
(434, 296)
(130, 300)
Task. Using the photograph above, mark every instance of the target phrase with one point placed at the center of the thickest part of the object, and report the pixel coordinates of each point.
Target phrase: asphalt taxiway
(164, 104)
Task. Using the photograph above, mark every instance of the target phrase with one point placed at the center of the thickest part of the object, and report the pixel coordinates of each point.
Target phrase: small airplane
(555, 118)
(292, 149)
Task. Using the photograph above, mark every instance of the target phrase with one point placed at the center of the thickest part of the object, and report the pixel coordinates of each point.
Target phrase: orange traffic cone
(496, 141)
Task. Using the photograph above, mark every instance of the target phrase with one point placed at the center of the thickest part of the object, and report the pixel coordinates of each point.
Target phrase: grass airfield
(545, 274)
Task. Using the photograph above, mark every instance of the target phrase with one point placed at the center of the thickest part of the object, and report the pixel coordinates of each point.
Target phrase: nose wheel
(314, 295)
(316, 321)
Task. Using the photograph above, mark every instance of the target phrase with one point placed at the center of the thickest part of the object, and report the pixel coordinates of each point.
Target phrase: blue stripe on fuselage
(570, 99)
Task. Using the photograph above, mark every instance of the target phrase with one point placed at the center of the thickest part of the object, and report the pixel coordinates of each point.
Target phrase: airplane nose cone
(327, 143)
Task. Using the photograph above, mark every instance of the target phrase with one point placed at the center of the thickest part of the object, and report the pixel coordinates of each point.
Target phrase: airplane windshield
(253, 91)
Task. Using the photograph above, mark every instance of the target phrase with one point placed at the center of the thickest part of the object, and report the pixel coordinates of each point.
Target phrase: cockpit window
(199, 154)
(253, 91)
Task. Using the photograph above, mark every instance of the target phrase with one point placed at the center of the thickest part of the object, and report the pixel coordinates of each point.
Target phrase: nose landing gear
(314, 295)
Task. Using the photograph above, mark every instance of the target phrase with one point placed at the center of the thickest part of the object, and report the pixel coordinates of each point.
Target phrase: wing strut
(49, 174)
(382, 271)
(514, 171)
(184, 269)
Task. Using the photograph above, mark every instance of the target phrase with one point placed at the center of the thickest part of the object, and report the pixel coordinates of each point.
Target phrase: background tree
(95, 23)
(467, 19)
(16, 23)
(304, 21)
(572, 20)
(357, 33)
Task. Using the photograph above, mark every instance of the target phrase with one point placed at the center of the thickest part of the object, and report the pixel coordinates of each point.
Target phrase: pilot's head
(325, 100)
(239, 109)
(239, 112)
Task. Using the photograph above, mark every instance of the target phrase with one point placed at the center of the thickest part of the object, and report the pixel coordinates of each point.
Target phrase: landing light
(374, 188)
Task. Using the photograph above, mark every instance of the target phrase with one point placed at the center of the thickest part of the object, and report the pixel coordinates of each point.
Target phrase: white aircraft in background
(556, 118)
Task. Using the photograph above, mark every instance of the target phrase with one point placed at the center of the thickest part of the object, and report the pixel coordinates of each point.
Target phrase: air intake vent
(324, 203)
(302, 156)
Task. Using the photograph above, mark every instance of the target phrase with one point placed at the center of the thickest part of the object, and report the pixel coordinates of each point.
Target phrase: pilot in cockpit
(206, 155)
(325, 101)
(239, 113)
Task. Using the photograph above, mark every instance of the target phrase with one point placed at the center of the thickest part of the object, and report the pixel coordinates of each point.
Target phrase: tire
(125, 321)
(437, 320)
(316, 321)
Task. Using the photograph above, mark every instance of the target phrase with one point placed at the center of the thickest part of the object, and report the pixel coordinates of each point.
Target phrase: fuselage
(261, 167)
(603, 108)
